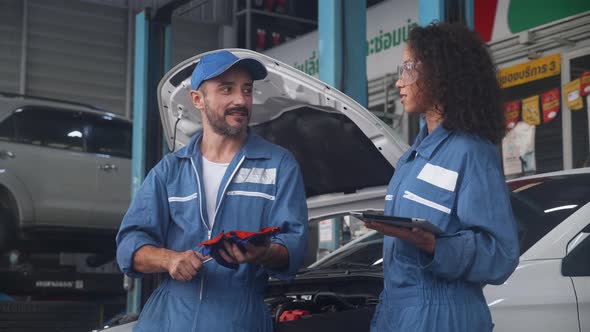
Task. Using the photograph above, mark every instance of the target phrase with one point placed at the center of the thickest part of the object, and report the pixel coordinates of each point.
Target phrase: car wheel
(7, 230)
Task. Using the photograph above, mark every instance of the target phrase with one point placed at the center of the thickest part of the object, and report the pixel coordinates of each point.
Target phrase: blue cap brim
(256, 69)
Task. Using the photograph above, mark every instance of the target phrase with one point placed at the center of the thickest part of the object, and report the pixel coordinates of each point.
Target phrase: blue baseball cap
(215, 64)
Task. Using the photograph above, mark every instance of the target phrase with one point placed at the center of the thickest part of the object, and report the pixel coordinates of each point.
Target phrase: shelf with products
(261, 25)
(305, 9)
(278, 16)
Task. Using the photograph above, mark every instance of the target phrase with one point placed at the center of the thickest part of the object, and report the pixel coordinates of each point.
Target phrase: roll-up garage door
(77, 51)
(190, 38)
(10, 44)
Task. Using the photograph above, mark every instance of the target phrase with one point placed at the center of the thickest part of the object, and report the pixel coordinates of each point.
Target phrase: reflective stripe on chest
(421, 200)
(256, 175)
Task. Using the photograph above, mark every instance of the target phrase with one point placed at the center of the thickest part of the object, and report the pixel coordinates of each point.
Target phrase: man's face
(226, 102)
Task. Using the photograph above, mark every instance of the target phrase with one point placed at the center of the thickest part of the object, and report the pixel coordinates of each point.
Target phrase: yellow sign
(571, 91)
(530, 71)
(530, 111)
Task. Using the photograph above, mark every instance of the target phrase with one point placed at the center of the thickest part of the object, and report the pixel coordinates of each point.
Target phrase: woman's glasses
(407, 72)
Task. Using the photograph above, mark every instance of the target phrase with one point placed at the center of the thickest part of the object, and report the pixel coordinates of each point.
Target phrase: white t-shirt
(212, 175)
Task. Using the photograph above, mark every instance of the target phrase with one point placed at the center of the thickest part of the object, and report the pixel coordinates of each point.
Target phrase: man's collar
(252, 148)
(191, 148)
(426, 144)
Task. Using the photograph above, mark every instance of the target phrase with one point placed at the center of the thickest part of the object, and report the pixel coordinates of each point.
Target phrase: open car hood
(345, 152)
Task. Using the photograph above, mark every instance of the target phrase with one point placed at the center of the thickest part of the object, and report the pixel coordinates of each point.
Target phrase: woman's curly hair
(458, 75)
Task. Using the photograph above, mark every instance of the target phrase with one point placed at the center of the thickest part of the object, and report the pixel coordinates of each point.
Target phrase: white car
(336, 141)
(550, 289)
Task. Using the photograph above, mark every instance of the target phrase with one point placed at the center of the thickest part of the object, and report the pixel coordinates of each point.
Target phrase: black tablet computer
(398, 221)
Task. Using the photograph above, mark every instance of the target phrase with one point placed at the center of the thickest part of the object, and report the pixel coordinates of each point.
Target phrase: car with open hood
(345, 152)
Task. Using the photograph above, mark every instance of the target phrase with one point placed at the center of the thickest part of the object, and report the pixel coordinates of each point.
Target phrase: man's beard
(220, 126)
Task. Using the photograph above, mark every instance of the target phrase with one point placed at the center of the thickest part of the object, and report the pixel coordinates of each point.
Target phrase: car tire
(7, 230)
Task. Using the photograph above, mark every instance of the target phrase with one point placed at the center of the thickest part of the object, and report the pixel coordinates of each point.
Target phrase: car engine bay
(346, 304)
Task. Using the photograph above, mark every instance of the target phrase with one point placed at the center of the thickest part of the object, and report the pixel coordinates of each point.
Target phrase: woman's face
(406, 83)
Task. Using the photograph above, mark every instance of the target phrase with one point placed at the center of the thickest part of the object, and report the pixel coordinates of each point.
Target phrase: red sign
(550, 104)
(511, 113)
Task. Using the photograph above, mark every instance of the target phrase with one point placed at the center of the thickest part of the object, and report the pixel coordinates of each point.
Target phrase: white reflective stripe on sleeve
(256, 175)
(439, 176)
(389, 197)
(424, 201)
(182, 199)
(251, 193)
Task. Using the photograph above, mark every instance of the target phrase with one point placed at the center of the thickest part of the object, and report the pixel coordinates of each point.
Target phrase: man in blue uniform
(226, 178)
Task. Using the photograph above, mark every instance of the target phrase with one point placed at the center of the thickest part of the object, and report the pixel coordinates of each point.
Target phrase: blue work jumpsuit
(455, 181)
(262, 187)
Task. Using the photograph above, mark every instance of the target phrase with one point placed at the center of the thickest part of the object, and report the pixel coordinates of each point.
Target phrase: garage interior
(78, 88)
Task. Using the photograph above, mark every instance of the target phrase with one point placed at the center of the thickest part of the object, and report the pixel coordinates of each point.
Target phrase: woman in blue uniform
(452, 176)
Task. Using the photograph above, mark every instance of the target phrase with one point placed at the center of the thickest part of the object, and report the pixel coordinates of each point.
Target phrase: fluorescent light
(565, 207)
(495, 302)
(75, 133)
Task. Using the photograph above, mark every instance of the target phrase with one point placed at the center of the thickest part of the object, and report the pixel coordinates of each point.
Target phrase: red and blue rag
(240, 238)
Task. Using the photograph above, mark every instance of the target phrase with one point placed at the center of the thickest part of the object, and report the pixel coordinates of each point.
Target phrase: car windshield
(536, 206)
(540, 204)
(362, 254)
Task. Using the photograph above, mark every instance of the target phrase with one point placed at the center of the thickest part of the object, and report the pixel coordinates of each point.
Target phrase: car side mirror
(575, 263)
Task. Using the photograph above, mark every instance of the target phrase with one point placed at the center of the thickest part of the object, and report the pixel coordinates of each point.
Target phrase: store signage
(572, 95)
(585, 83)
(530, 111)
(509, 17)
(518, 149)
(388, 28)
(530, 71)
(511, 113)
(550, 104)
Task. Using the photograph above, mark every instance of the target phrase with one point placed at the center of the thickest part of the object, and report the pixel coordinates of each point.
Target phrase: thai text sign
(530, 71)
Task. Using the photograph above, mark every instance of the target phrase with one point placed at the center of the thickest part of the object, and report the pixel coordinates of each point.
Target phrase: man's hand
(183, 266)
(231, 253)
(422, 239)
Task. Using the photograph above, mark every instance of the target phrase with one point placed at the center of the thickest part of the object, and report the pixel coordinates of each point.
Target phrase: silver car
(64, 173)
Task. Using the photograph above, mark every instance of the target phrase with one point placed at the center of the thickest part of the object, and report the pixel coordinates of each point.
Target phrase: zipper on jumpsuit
(216, 209)
(202, 219)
